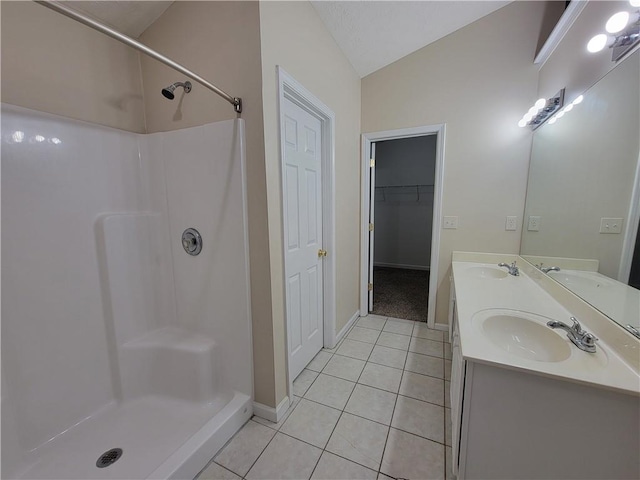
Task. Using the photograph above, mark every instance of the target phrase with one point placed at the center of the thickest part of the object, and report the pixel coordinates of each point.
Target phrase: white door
(372, 199)
(303, 234)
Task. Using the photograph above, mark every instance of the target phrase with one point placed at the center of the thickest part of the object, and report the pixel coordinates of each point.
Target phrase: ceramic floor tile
(401, 328)
(422, 387)
(359, 439)
(354, 349)
(372, 403)
(447, 394)
(303, 382)
(391, 357)
(421, 330)
(344, 367)
(425, 365)
(319, 361)
(382, 476)
(411, 457)
(380, 376)
(447, 370)
(243, 449)
(420, 418)
(213, 471)
(330, 391)
(372, 321)
(276, 426)
(426, 347)
(393, 340)
(447, 427)
(332, 467)
(363, 334)
(285, 458)
(311, 423)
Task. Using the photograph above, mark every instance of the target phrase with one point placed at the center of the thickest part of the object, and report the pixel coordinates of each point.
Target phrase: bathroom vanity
(525, 401)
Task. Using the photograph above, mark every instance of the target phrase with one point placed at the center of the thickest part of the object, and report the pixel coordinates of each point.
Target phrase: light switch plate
(450, 222)
(534, 224)
(610, 225)
(511, 224)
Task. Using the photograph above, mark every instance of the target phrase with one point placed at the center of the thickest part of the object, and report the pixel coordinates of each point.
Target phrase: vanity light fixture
(542, 110)
(624, 33)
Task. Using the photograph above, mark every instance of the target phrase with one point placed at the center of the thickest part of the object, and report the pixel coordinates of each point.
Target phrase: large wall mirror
(581, 183)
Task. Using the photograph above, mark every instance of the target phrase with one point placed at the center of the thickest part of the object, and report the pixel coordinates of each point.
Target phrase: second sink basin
(523, 334)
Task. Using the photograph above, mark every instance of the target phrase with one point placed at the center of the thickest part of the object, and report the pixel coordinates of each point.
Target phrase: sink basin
(580, 280)
(522, 334)
(487, 272)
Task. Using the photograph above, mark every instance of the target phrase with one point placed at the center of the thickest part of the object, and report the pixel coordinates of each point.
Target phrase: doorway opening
(402, 192)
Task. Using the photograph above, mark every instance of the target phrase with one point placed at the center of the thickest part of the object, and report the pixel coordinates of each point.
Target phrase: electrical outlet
(511, 224)
(534, 224)
(610, 225)
(450, 222)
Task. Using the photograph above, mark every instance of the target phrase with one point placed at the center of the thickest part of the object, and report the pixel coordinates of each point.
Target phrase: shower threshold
(160, 437)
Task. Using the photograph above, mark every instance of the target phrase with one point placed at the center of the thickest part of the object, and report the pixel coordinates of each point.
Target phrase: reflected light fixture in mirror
(542, 110)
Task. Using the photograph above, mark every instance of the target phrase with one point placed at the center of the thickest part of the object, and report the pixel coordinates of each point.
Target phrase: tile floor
(375, 406)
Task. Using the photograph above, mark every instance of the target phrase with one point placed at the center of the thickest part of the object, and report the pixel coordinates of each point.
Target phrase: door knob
(322, 253)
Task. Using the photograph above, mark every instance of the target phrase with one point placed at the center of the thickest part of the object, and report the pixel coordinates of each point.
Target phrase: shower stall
(126, 341)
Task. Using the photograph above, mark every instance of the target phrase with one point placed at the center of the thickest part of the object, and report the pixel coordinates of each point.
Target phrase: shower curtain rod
(141, 47)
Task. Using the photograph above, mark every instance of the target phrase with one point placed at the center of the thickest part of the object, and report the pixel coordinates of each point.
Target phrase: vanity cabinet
(512, 424)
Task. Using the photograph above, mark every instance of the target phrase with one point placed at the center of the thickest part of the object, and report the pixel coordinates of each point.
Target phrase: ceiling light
(542, 111)
(528, 116)
(560, 115)
(568, 108)
(580, 98)
(540, 103)
(635, 3)
(553, 120)
(18, 136)
(617, 22)
(522, 123)
(597, 43)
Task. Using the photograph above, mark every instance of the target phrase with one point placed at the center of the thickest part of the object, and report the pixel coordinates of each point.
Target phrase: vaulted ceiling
(371, 34)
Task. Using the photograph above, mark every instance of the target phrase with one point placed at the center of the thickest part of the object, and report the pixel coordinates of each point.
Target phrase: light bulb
(553, 120)
(18, 136)
(617, 22)
(635, 3)
(579, 99)
(533, 110)
(540, 103)
(568, 108)
(522, 123)
(597, 43)
(560, 114)
(528, 117)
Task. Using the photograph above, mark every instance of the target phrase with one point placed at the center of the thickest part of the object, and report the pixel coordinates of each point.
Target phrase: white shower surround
(112, 336)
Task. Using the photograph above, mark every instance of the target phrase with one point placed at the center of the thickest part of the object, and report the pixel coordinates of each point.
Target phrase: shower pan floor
(149, 430)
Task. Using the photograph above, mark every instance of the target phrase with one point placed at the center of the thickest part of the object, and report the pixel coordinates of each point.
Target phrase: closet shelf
(404, 190)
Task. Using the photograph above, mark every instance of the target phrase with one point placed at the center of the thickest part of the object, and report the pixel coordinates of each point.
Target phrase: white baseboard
(399, 265)
(346, 328)
(441, 326)
(269, 413)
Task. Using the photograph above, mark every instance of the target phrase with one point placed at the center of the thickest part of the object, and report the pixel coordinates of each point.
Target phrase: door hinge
(370, 286)
(372, 162)
(371, 227)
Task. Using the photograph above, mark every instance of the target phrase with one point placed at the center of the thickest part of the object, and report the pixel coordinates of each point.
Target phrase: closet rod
(141, 47)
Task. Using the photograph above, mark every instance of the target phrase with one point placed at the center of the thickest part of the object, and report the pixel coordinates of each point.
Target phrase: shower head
(168, 92)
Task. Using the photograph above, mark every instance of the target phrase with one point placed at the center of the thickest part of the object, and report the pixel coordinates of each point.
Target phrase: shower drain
(109, 457)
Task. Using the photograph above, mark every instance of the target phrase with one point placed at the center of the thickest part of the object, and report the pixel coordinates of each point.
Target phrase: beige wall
(294, 37)
(53, 64)
(479, 81)
(221, 42)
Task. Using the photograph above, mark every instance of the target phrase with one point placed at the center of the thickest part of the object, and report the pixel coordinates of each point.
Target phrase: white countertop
(474, 293)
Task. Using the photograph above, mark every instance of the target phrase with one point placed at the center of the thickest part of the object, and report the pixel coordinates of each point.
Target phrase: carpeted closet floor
(400, 293)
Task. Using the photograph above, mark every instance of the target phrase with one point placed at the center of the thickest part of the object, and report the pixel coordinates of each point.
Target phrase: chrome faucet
(579, 337)
(549, 269)
(513, 270)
